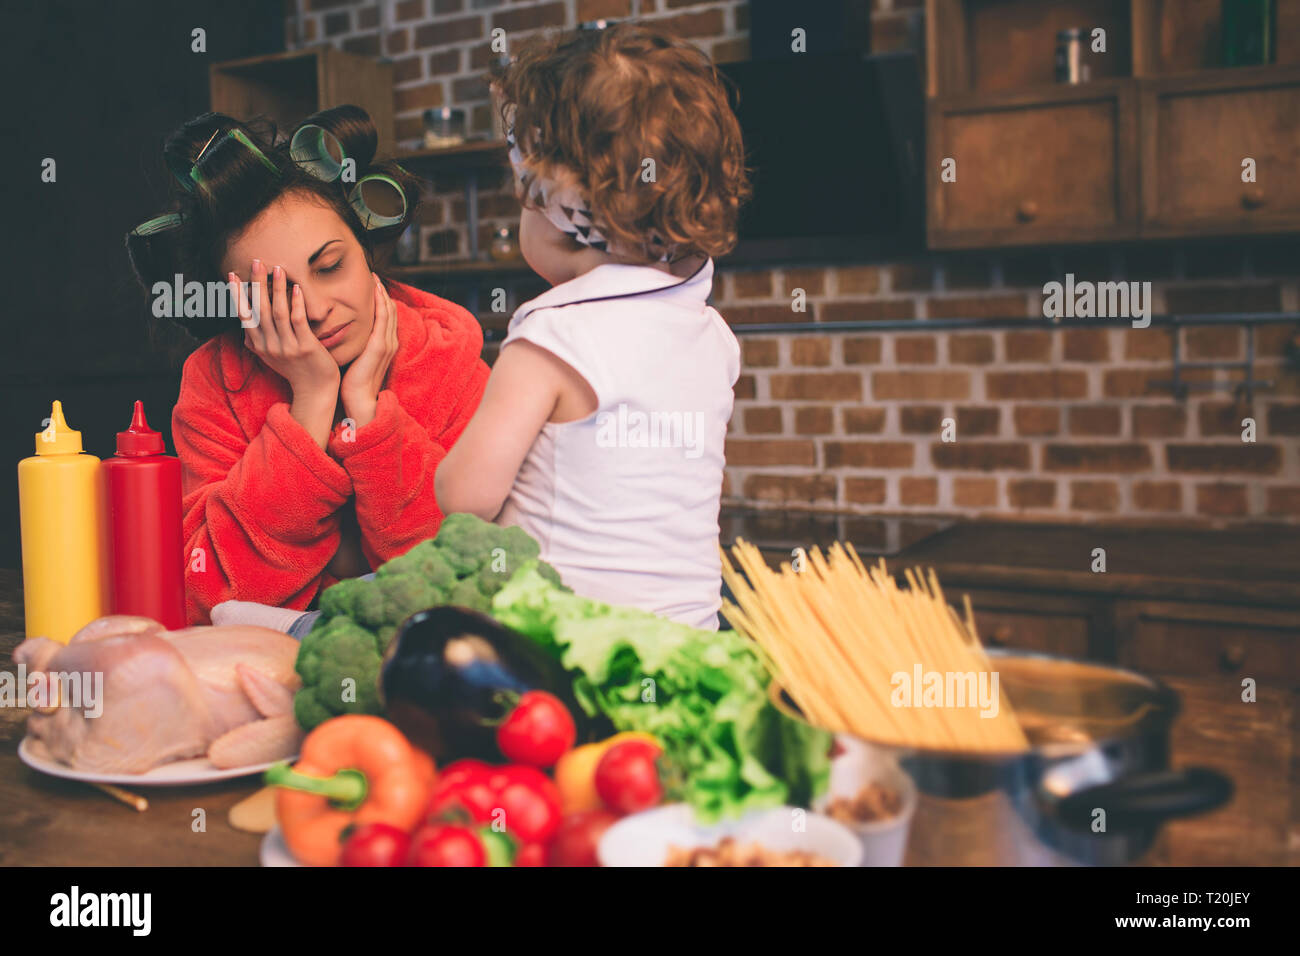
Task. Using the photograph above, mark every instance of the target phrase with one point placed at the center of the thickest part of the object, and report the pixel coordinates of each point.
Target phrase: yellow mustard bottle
(62, 514)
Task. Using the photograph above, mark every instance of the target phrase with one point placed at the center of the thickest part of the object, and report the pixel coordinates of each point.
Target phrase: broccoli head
(385, 635)
(552, 575)
(339, 599)
(520, 546)
(489, 579)
(467, 542)
(391, 599)
(467, 594)
(339, 663)
(426, 560)
(468, 562)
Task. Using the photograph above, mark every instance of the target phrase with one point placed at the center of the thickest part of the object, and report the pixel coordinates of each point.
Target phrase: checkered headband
(569, 211)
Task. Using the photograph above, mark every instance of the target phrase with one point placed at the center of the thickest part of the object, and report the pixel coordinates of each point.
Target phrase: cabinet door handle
(1253, 198)
(1027, 211)
(1232, 657)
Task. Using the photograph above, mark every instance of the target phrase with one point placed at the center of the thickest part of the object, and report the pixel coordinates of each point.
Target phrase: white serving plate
(178, 773)
(273, 851)
(643, 839)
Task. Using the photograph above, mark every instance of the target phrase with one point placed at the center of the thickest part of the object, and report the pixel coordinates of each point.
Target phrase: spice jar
(504, 248)
(443, 126)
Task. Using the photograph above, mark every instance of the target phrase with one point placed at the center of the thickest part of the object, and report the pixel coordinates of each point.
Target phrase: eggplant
(452, 674)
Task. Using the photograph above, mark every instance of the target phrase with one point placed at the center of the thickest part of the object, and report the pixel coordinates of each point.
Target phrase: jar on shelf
(443, 126)
(504, 247)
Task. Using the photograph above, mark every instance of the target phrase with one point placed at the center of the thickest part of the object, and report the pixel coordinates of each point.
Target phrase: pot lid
(1063, 705)
(1059, 701)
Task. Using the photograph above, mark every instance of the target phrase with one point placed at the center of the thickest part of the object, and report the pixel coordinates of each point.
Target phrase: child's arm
(526, 386)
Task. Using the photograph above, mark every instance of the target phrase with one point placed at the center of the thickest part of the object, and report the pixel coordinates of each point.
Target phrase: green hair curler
(191, 177)
(318, 151)
(151, 227)
(378, 200)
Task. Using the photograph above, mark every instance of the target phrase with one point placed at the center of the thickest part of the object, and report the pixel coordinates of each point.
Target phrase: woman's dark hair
(237, 185)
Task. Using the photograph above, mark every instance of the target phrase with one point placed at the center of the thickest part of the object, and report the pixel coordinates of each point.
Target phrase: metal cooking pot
(1093, 789)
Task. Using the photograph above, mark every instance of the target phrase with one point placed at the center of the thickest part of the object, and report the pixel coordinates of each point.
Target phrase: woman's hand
(285, 342)
(365, 376)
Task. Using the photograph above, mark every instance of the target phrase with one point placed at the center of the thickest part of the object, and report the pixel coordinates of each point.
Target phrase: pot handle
(1147, 799)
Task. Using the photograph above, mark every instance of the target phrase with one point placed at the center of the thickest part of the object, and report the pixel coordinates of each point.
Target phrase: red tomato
(530, 802)
(462, 772)
(523, 798)
(375, 844)
(464, 785)
(531, 854)
(627, 778)
(538, 731)
(576, 840)
(444, 845)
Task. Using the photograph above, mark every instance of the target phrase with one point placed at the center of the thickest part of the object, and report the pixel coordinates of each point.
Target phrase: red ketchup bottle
(144, 517)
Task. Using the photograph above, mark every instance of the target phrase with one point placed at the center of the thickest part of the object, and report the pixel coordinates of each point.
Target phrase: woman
(310, 424)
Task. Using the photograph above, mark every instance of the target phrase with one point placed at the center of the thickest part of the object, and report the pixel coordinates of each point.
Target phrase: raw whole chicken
(226, 692)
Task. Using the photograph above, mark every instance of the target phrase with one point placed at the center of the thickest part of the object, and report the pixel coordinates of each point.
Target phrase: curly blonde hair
(590, 106)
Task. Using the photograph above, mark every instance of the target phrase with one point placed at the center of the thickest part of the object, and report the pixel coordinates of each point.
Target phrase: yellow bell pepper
(575, 774)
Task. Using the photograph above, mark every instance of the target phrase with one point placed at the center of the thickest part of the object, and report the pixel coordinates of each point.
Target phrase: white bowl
(644, 839)
(884, 842)
(273, 851)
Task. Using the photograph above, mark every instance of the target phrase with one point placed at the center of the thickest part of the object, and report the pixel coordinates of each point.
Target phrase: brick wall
(1062, 425)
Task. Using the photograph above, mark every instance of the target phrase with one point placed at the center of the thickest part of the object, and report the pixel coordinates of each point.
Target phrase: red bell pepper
(522, 799)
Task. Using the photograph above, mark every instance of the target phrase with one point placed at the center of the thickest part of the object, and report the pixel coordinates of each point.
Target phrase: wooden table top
(1258, 566)
(47, 821)
(1253, 565)
(50, 821)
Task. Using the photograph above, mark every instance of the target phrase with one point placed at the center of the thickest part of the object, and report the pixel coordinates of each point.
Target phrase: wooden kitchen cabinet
(1200, 640)
(1255, 745)
(289, 87)
(1195, 133)
(1034, 167)
(1150, 145)
(1032, 622)
(1204, 652)
(1183, 36)
(1198, 610)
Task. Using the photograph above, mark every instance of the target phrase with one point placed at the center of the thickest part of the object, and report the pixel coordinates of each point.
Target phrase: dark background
(97, 87)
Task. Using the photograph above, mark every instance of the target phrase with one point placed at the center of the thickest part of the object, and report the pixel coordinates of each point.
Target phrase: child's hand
(365, 376)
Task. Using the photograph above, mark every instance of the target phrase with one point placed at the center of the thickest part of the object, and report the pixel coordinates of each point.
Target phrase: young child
(601, 430)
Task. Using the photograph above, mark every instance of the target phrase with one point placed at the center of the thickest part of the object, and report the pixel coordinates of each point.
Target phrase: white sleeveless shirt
(625, 503)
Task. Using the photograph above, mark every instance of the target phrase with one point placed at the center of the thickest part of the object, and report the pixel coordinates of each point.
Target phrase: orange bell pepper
(352, 770)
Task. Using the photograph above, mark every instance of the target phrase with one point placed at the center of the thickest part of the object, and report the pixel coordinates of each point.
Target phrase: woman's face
(318, 251)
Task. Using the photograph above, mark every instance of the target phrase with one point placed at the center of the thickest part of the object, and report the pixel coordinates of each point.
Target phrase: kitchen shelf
(289, 87)
(470, 158)
(460, 269)
(1018, 323)
(475, 154)
(985, 46)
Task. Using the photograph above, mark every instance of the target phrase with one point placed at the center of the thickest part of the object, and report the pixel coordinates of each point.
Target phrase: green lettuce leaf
(703, 694)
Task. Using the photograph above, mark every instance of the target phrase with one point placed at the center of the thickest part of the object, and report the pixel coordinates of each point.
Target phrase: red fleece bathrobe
(262, 499)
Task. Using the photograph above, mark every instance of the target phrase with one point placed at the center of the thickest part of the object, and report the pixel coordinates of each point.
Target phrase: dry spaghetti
(861, 655)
